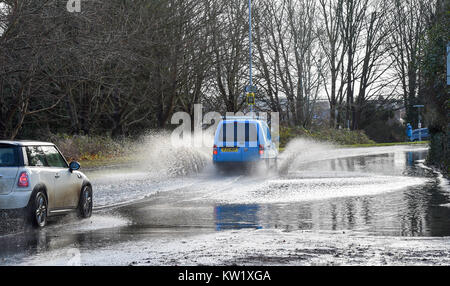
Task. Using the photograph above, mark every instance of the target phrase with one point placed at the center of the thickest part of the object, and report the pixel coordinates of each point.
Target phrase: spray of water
(161, 157)
(303, 150)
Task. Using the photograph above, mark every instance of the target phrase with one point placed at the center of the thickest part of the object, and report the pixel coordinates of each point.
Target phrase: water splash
(301, 150)
(161, 157)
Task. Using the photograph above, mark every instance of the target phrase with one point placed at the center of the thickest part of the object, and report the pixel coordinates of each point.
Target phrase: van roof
(25, 143)
(242, 119)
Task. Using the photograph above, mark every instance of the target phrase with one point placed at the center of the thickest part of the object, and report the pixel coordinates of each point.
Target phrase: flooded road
(326, 206)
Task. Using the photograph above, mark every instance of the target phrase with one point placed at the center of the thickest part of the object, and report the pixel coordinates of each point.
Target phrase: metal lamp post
(250, 89)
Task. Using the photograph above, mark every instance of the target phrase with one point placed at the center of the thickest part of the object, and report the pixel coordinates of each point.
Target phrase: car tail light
(23, 180)
(261, 149)
(215, 150)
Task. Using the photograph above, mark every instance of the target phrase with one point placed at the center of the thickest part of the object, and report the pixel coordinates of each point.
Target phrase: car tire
(37, 211)
(85, 203)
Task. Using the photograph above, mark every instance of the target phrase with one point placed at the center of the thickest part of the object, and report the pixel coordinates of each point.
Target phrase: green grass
(335, 136)
(101, 162)
(385, 144)
(95, 151)
(281, 149)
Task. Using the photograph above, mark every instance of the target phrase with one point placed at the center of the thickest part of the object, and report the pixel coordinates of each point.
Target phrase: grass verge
(102, 162)
(385, 144)
(334, 136)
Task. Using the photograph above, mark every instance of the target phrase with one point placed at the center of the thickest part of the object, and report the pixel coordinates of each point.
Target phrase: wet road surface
(325, 196)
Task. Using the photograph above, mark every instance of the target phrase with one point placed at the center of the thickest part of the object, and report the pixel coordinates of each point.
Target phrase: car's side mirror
(74, 166)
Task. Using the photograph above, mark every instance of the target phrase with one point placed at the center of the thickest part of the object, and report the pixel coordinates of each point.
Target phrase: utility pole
(420, 123)
(250, 40)
(250, 89)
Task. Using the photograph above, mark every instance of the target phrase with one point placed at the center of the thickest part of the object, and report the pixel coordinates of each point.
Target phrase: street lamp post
(251, 89)
(420, 123)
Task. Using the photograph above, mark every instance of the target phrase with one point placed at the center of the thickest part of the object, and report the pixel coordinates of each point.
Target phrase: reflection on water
(414, 211)
(236, 217)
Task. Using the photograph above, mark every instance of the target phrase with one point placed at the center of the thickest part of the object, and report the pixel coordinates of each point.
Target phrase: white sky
(2, 12)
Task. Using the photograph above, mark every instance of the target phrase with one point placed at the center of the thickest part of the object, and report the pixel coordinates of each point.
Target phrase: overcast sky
(2, 12)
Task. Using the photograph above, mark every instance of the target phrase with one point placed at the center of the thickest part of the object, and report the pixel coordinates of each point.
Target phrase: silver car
(35, 177)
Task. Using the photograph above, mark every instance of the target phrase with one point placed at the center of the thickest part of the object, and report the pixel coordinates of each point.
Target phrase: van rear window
(8, 156)
(238, 132)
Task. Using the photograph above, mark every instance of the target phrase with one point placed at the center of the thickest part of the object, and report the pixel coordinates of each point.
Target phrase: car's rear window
(9, 156)
(238, 132)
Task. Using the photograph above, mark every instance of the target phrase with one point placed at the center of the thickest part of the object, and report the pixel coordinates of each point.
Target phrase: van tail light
(261, 149)
(215, 150)
(23, 180)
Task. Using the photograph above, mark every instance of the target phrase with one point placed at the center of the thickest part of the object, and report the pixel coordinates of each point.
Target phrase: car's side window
(54, 158)
(36, 157)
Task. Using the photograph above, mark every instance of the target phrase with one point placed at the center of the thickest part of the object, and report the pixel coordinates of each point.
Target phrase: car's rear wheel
(38, 210)
(85, 204)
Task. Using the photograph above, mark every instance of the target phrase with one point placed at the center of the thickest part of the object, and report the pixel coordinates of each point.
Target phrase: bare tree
(331, 42)
(230, 46)
(372, 60)
(25, 86)
(409, 18)
(288, 56)
(120, 67)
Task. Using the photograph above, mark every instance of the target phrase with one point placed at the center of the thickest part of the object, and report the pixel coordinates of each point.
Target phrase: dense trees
(121, 67)
(434, 88)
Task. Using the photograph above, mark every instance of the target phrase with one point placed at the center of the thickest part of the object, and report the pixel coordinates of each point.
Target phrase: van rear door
(251, 141)
(9, 167)
(238, 141)
(229, 149)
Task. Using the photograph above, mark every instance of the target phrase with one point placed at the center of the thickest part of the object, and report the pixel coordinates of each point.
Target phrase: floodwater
(381, 191)
(418, 210)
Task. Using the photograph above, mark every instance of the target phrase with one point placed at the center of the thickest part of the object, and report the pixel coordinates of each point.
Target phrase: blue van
(420, 135)
(243, 141)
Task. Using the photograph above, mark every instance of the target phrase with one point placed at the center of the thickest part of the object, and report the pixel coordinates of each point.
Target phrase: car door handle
(57, 176)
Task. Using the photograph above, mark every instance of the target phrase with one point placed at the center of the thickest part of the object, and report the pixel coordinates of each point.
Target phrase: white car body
(61, 184)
